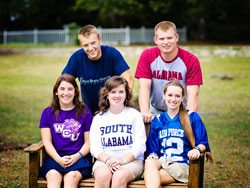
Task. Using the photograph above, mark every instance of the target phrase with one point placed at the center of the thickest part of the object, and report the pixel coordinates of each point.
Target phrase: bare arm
(85, 148)
(128, 76)
(193, 97)
(83, 151)
(143, 97)
(50, 149)
(47, 141)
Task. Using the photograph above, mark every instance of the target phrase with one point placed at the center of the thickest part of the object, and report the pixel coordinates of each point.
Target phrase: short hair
(88, 30)
(164, 26)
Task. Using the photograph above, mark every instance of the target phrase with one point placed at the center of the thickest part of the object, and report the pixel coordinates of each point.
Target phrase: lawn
(28, 75)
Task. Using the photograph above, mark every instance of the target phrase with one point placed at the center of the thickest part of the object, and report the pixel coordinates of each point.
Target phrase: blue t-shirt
(93, 74)
(167, 138)
(67, 132)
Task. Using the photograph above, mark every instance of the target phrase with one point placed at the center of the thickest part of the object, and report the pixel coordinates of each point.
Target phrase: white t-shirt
(118, 134)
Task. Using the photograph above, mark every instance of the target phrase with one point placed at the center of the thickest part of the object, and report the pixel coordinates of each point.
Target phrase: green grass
(26, 81)
(227, 102)
(26, 85)
(13, 169)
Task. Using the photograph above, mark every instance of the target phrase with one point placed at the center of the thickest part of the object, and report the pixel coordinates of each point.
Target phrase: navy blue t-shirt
(93, 74)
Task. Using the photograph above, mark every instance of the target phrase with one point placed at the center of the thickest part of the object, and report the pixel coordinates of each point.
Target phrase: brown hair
(88, 30)
(55, 104)
(165, 26)
(110, 84)
(184, 118)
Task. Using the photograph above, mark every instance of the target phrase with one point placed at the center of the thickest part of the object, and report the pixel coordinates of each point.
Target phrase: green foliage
(111, 13)
(73, 31)
(218, 20)
(207, 20)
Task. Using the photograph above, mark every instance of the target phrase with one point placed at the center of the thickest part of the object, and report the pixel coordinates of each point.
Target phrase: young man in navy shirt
(93, 64)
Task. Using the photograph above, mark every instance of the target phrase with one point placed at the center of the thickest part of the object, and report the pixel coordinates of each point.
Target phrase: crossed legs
(154, 175)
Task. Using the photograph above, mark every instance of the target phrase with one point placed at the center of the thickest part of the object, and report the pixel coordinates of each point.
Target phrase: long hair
(184, 118)
(55, 104)
(110, 84)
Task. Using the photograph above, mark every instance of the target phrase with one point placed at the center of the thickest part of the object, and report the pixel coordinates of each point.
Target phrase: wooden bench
(37, 152)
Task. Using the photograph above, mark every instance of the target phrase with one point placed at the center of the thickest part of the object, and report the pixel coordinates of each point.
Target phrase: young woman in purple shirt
(65, 126)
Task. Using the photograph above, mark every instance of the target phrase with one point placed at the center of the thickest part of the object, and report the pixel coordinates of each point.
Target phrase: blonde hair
(87, 30)
(165, 26)
(184, 118)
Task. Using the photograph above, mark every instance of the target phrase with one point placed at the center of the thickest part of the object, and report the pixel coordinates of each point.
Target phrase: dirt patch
(8, 51)
(11, 146)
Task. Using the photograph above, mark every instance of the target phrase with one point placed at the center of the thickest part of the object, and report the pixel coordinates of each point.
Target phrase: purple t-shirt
(67, 132)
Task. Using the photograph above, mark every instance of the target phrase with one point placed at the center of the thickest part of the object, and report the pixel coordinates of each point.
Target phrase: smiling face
(166, 41)
(66, 94)
(91, 44)
(173, 97)
(117, 96)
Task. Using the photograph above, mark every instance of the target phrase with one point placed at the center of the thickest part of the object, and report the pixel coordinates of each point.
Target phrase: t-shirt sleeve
(44, 119)
(95, 138)
(153, 146)
(139, 144)
(88, 120)
(143, 69)
(194, 73)
(120, 65)
(199, 130)
(71, 66)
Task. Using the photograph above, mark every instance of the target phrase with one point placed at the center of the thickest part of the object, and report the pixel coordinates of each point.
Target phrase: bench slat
(89, 183)
(34, 147)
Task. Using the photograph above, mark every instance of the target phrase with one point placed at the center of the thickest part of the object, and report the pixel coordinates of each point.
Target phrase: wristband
(153, 155)
(199, 149)
(107, 160)
(79, 155)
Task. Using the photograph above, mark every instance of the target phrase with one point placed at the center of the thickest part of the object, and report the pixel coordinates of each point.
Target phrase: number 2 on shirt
(173, 154)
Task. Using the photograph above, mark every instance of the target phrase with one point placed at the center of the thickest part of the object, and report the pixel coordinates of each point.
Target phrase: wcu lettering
(65, 132)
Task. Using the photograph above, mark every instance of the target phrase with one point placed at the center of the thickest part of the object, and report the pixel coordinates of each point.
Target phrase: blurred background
(217, 21)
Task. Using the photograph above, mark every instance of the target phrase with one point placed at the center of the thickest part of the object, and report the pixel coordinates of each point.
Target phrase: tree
(219, 20)
(111, 13)
(29, 14)
(207, 20)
